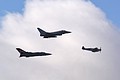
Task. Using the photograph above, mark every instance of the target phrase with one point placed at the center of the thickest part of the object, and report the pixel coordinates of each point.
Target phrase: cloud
(89, 27)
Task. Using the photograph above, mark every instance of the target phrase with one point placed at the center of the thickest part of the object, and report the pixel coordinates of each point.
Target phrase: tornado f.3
(31, 54)
(52, 34)
(92, 49)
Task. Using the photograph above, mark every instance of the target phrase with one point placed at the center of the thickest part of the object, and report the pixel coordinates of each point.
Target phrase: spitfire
(91, 49)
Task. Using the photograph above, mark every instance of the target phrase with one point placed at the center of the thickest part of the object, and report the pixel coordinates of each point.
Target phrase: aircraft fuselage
(30, 54)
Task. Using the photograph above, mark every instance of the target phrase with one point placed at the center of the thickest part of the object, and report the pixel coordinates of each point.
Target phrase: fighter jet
(52, 34)
(92, 49)
(31, 54)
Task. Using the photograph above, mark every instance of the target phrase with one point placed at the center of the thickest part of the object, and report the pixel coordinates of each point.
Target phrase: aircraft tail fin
(20, 51)
(83, 47)
(42, 32)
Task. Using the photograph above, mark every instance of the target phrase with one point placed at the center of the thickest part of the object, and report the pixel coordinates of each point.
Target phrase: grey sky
(89, 27)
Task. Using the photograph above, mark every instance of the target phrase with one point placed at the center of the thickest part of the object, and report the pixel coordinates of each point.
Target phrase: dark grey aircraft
(52, 34)
(92, 49)
(31, 54)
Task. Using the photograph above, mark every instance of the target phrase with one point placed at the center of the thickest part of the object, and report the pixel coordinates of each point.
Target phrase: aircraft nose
(68, 32)
(48, 54)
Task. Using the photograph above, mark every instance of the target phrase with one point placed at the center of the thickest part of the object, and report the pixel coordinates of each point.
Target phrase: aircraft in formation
(31, 54)
(52, 34)
(49, 35)
(92, 49)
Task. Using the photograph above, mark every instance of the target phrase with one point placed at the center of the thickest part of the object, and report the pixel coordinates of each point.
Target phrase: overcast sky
(89, 26)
